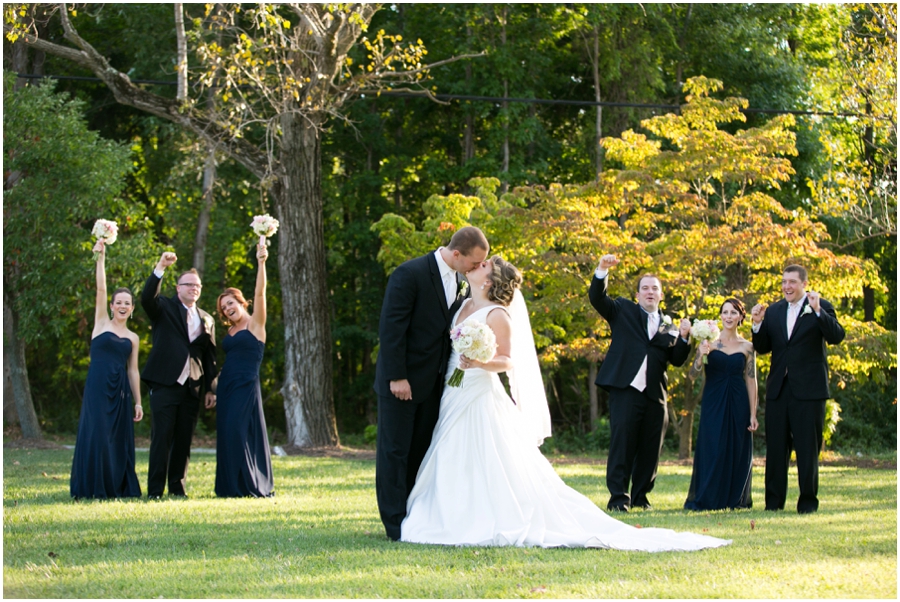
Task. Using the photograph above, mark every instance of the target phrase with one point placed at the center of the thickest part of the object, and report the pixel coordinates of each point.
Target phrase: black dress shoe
(646, 506)
(617, 508)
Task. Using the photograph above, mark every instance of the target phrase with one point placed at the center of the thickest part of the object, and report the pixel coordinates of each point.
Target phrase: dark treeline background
(392, 153)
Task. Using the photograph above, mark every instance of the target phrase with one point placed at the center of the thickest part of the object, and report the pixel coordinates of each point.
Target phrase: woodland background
(713, 144)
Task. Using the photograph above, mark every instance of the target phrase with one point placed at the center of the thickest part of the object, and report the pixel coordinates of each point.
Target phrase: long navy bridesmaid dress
(103, 466)
(724, 454)
(243, 462)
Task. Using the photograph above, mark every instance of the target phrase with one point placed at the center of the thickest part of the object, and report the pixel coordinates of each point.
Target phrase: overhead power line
(492, 99)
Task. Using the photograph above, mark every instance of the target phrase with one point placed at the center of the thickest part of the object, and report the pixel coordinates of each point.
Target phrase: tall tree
(284, 71)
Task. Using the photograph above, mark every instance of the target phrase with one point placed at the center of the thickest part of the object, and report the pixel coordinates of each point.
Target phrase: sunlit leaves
(859, 183)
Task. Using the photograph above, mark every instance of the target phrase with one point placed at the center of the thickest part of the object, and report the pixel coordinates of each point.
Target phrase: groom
(644, 341)
(421, 298)
(180, 371)
(795, 331)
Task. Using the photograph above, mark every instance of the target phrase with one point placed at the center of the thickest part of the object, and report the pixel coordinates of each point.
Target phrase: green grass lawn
(320, 537)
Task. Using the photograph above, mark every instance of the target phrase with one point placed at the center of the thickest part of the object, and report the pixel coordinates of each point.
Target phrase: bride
(484, 481)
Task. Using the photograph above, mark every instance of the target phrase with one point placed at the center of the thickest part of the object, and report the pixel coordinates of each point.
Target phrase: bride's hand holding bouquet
(474, 341)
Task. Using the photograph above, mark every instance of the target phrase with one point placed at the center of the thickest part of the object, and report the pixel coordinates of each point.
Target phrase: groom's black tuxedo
(414, 344)
(796, 390)
(638, 419)
(413, 332)
(174, 407)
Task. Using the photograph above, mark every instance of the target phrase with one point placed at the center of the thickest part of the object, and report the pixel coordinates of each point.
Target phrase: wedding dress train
(484, 482)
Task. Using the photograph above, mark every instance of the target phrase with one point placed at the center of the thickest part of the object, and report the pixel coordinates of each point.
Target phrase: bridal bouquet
(105, 230)
(476, 341)
(264, 226)
(705, 330)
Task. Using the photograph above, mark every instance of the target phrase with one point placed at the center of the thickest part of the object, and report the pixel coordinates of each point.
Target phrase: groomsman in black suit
(421, 298)
(795, 331)
(180, 371)
(644, 342)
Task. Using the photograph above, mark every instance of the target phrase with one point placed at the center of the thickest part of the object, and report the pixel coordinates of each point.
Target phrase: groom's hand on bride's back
(401, 389)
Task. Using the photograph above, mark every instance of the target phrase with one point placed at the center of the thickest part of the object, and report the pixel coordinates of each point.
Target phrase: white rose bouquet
(476, 341)
(105, 230)
(705, 330)
(264, 226)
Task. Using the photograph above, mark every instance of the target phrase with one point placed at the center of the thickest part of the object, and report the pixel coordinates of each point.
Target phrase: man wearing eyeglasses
(180, 371)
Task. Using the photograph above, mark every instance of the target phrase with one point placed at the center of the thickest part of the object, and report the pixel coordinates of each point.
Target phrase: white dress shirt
(448, 276)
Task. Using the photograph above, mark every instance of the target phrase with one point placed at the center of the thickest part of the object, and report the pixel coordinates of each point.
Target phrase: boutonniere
(806, 310)
(463, 289)
(665, 325)
(207, 321)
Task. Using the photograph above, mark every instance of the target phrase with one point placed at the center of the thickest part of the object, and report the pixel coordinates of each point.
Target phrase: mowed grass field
(320, 537)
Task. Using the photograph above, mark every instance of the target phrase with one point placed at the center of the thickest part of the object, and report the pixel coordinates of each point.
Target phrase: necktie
(793, 311)
(193, 323)
(652, 324)
(450, 287)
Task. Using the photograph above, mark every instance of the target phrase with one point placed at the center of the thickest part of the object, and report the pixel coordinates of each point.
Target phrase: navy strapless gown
(103, 466)
(243, 463)
(723, 458)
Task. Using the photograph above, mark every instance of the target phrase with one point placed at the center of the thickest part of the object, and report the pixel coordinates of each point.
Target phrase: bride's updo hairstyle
(505, 279)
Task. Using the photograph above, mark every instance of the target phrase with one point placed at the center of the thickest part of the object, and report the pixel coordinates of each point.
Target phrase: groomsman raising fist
(180, 371)
(644, 342)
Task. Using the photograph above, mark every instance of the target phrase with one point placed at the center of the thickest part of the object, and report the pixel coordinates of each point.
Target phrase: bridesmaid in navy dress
(103, 466)
(724, 455)
(243, 462)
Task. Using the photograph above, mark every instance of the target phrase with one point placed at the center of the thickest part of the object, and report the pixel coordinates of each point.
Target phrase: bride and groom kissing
(461, 465)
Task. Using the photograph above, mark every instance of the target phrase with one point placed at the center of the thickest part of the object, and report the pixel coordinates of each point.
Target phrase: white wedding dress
(484, 482)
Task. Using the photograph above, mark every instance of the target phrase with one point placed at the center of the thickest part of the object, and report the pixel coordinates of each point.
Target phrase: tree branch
(127, 93)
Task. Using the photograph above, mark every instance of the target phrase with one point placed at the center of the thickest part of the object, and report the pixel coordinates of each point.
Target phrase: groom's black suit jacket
(630, 345)
(172, 345)
(414, 330)
(803, 356)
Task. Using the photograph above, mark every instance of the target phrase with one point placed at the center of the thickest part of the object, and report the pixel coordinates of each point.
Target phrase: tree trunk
(595, 60)
(10, 416)
(209, 182)
(181, 43)
(504, 109)
(14, 354)
(684, 420)
(469, 127)
(307, 390)
(592, 394)
(868, 304)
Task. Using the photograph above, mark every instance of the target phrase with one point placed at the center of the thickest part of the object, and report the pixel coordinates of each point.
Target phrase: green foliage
(65, 177)
(868, 419)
